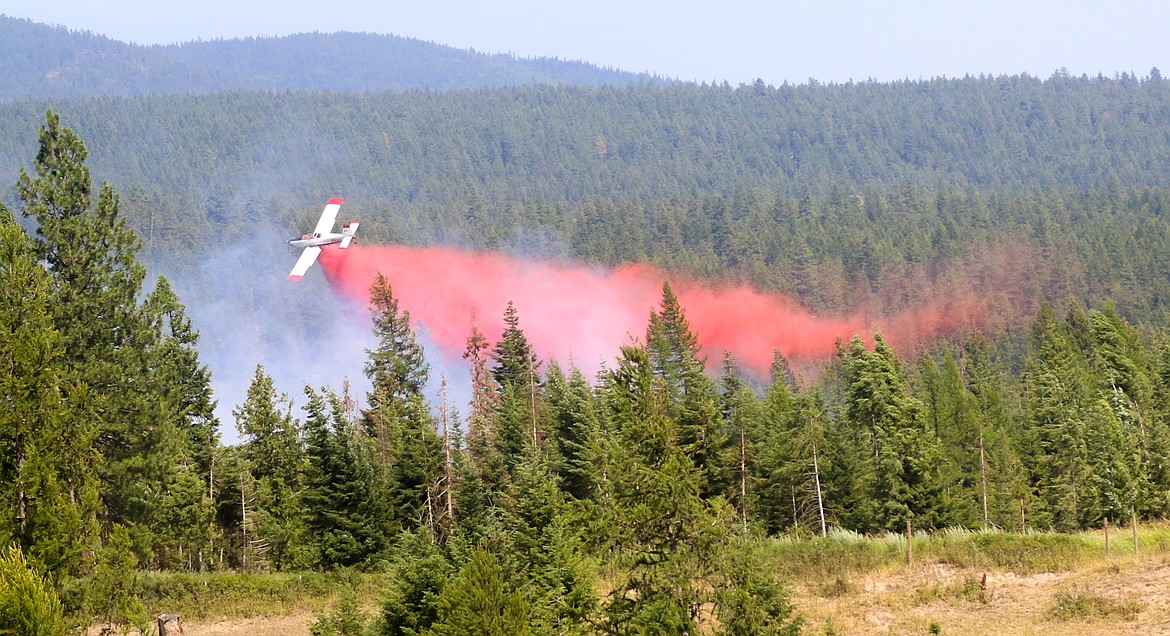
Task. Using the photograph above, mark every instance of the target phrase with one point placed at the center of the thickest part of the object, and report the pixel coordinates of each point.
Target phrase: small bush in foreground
(346, 619)
(969, 590)
(28, 604)
(1080, 605)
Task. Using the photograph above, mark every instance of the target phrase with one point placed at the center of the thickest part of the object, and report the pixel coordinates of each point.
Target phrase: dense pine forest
(635, 500)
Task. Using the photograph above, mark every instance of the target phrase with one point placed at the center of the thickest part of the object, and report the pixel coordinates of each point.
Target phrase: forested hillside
(571, 143)
(38, 60)
(646, 497)
(840, 195)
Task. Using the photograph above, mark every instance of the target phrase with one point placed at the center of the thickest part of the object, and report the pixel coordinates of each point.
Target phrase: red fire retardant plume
(581, 314)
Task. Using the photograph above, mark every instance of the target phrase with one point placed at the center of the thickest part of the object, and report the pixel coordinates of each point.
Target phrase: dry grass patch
(1080, 605)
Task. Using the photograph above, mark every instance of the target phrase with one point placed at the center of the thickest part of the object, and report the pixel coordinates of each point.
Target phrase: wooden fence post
(909, 545)
(1135, 539)
(169, 625)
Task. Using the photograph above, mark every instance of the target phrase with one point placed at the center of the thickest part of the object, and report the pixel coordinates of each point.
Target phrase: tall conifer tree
(520, 420)
(346, 508)
(410, 451)
(48, 479)
(899, 481)
(108, 341)
(690, 395)
(273, 452)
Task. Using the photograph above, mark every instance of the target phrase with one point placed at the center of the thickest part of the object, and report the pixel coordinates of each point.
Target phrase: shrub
(1081, 605)
(346, 619)
(29, 605)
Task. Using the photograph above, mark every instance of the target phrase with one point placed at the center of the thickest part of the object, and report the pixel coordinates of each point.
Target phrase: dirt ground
(1120, 596)
(1124, 595)
(284, 625)
(291, 625)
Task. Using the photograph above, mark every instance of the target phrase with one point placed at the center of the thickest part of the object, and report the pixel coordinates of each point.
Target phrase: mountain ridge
(52, 61)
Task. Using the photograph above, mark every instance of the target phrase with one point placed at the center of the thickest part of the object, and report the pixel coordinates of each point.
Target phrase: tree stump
(169, 625)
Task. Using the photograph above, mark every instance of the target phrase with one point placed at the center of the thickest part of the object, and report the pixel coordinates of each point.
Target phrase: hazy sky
(733, 40)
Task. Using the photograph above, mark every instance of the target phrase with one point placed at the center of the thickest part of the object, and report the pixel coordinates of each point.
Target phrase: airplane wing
(328, 216)
(308, 257)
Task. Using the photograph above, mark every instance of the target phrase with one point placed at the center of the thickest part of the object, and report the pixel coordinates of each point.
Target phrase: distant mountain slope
(574, 144)
(37, 60)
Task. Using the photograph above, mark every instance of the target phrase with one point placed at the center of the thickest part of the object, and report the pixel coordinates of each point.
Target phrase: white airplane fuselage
(321, 236)
(316, 240)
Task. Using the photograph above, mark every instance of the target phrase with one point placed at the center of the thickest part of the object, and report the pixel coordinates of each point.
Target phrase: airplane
(321, 236)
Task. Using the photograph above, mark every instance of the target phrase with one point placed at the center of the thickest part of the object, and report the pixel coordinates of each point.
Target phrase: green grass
(842, 552)
(829, 562)
(198, 596)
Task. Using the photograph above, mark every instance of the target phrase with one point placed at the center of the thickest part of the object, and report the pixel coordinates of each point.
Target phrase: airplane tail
(348, 231)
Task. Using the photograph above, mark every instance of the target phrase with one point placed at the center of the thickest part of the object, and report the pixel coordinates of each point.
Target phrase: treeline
(39, 60)
(564, 144)
(662, 475)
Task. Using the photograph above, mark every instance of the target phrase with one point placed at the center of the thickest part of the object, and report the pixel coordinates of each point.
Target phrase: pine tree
(48, 477)
(186, 439)
(410, 452)
(91, 255)
(742, 415)
(410, 604)
(112, 596)
(650, 517)
(1057, 399)
(117, 353)
(1157, 501)
(104, 373)
(348, 516)
(479, 601)
(690, 395)
(398, 366)
(519, 420)
(953, 415)
(485, 395)
(1004, 489)
(795, 458)
(1124, 374)
(899, 481)
(185, 382)
(748, 601)
(272, 448)
(515, 361)
(574, 418)
(29, 606)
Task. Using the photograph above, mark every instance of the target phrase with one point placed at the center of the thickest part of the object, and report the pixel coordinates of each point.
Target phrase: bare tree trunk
(449, 465)
(21, 498)
(743, 475)
(820, 499)
(244, 528)
(1135, 538)
(532, 402)
(909, 544)
(983, 476)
